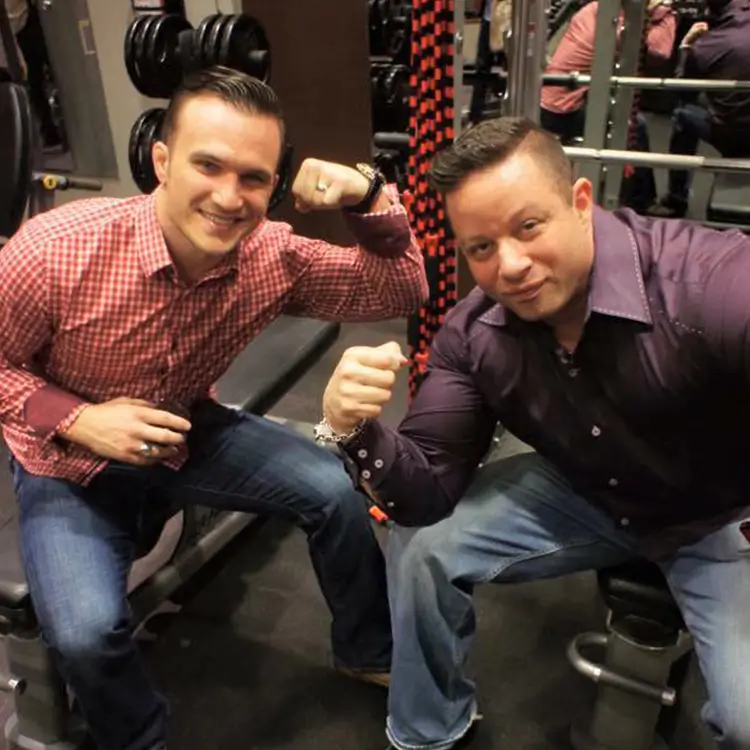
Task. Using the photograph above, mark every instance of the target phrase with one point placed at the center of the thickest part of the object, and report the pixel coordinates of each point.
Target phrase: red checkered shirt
(92, 308)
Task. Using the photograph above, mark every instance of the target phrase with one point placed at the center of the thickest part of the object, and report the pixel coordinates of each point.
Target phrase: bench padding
(730, 198)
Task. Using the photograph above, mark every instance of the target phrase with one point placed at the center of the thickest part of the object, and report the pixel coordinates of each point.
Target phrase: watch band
(377, 180)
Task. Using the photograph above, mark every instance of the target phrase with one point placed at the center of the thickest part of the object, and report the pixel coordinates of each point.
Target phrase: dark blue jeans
(691, 124)
(78, 543)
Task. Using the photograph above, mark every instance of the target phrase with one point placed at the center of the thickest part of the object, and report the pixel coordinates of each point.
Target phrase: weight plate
(398, 38)
(162, 54)
(200, 34)
(134, 147)
(150, 133)
(133, 49)
(205, 40)
(212, 48)
(243, 38)
(142, 136)
(396, 90)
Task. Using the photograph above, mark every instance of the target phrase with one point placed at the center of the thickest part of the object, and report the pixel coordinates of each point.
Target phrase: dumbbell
(152, 53)
(161, 48)
(236, 41)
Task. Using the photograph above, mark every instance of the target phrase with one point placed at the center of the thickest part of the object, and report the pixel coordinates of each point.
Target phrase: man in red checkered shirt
(112, 310)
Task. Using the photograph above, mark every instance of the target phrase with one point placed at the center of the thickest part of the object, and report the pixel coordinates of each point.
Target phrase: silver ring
(321, 186)
(147, 449)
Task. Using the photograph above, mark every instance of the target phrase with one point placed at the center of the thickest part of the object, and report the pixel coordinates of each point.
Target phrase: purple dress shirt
(649, 418)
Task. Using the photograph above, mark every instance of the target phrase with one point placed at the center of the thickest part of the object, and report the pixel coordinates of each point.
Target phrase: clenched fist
(360, 385)
(322, 185)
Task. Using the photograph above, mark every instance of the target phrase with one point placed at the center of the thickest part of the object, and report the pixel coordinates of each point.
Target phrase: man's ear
(160, 157)
(583, 198)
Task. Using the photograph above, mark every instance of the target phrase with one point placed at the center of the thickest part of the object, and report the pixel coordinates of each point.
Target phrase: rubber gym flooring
(246, 663)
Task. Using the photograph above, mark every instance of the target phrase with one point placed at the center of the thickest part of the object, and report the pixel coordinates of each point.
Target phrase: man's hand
(323, 185)
(361, 383)
(696, 30)
(119, 428)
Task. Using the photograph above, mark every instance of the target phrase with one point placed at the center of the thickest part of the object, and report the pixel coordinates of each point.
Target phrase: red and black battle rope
(430, 130)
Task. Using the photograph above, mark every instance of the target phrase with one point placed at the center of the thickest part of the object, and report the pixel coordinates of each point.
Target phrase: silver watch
(324, 433)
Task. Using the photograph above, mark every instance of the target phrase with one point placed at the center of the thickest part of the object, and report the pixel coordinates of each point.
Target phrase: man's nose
(514, 263)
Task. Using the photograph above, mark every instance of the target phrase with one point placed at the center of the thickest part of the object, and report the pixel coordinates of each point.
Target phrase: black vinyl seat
(639, 589)
(729, 201)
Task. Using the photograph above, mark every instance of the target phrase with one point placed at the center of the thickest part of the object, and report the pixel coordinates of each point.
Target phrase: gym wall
(320, 68)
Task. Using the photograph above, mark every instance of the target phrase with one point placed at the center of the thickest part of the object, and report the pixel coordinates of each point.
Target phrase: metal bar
(598, 106)
(637, 82)
(631, 41)
(516, 59)
(536, 51)
(574, 80)
(648, 159)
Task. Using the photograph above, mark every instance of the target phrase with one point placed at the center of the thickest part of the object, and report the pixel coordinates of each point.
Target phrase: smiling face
(217, 173)
(527, 239)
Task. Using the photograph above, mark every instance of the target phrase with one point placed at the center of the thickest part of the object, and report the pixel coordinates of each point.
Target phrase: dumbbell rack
(390, 50)
(161, 47)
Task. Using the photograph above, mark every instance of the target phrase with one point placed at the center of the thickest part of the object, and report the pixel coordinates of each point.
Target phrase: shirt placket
(583, 397)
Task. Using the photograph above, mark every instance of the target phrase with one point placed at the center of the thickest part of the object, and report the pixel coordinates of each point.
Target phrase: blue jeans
(78, 542)
(520, 521)
(691, 124)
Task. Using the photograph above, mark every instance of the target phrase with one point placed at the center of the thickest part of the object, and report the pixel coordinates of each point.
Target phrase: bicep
(450, 422)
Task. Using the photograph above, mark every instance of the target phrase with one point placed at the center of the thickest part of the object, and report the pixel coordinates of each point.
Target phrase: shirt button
(366, 474)
(362, 453)
(624, 522)
(391, 505)
(596, 431)
(573, 372)
(613, 482)
(379, 463)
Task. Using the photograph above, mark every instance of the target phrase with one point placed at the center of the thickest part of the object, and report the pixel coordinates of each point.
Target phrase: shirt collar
(152, 247)
(617, 288)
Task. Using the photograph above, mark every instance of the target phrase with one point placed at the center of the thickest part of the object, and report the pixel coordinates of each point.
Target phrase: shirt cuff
(369, 456)
(385, 233)
(51, 410)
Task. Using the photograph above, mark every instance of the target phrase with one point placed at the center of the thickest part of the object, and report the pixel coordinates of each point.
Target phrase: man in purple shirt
(614, 345)
(717, 49)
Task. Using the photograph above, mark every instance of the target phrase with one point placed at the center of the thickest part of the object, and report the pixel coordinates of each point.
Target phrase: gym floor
(246, 663)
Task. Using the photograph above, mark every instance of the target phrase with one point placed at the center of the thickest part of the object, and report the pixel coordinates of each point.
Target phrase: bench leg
(41, 720)
(632, 688)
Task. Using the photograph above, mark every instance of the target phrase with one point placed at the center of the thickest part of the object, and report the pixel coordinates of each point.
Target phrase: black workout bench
(268, 368)
(729, 201)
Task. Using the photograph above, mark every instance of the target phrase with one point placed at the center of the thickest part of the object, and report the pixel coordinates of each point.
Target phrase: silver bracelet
(324, 433)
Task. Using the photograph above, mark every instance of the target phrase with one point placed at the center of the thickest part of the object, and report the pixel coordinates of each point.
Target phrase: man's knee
(86, 635)
(423, 556)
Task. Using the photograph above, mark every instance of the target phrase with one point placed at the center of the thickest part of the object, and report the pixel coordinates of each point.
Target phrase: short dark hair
(232, 86)
(493, 141)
